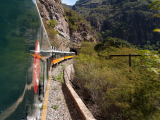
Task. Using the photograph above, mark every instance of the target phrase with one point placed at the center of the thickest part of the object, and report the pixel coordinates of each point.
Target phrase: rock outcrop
(82, 34)
(53, 10)
(80, 29)
(65, 28)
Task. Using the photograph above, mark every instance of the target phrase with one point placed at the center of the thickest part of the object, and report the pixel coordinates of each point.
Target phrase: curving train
(23, 78)
(59, 55)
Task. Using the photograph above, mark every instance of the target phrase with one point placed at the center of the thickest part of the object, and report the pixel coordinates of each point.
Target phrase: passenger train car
(21, 27)
(59, 56)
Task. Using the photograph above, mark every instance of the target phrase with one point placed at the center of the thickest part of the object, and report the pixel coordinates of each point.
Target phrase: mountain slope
(80, 29)
(64, 28)
(55, 22)
(126, 19)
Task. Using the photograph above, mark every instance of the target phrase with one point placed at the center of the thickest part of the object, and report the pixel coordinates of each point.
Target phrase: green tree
(155, 5)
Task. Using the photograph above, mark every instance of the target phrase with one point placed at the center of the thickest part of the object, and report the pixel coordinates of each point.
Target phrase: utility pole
(126, 55)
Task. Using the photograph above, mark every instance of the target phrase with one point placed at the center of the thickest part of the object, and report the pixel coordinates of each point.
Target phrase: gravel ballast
(60, 104)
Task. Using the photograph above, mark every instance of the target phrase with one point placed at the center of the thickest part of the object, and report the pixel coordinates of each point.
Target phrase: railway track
(61, 101)
(60, 105)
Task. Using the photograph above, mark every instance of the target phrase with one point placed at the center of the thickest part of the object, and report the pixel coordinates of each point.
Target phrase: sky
(69, 2)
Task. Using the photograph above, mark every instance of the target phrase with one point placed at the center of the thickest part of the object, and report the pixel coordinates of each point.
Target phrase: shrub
(120, 91)
(39, 5)
(55, 107)
(116, 42)
(59, 7)
(52, 23)
(88, 48)
(45, 24)
(52, 33)
(63, 66)
(59, 77)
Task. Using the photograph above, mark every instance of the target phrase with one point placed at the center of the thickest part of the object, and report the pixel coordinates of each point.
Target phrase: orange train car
(59, 56)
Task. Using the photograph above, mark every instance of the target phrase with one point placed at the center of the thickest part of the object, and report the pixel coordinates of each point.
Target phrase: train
(56, 54)
(59, 56)
(21, 27)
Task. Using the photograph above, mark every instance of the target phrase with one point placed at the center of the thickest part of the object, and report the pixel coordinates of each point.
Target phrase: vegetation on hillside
(76, 21)
(121, 92)
(66, 6)
(52, 34)
(125, 19)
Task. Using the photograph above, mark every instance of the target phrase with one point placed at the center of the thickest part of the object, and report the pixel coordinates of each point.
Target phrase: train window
(58, 55)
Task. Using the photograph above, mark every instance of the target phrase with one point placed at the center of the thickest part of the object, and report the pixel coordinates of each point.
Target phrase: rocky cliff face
(80, 29)
(53, 10)
(82, 34)
(62, 33)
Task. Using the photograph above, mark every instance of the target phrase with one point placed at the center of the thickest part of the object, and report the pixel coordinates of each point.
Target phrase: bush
(52, 23)
(120, 91)
(52, 33)
(116, 42)
(45, 24)
(88, 48)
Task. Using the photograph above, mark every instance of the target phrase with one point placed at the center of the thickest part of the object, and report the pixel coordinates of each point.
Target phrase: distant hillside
(125, 19)
(67, 6)
(85, 6)
(80, 29)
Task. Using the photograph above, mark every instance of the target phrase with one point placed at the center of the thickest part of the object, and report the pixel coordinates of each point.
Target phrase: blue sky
(69, 2)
